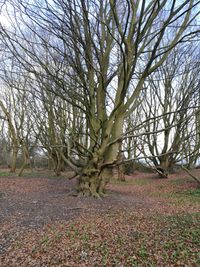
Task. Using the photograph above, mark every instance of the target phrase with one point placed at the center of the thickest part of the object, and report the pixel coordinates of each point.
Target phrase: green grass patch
(180, 181)
(29, 174)
(192, 192)
(48, 175)
(115, 181)
(184, 196)
(6, 174)
(189, 195)
(143, 181)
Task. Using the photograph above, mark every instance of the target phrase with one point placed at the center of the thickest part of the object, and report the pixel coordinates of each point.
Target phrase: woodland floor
(144, 221)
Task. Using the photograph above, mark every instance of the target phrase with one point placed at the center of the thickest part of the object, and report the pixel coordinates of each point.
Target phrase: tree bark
(99, 170)
(93, 182)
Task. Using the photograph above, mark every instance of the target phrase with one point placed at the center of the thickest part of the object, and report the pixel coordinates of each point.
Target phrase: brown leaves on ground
(144, 221)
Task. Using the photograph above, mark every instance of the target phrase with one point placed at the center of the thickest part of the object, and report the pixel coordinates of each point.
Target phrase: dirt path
(34, 202)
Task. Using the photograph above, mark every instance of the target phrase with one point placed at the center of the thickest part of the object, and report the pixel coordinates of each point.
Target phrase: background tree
(168, 100)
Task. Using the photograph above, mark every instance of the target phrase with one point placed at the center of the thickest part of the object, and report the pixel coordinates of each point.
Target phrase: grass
(192, 192)
(137, 181)
(46, 174)
(188, 195)
(181, 181)
(32, 174)
(6, 174)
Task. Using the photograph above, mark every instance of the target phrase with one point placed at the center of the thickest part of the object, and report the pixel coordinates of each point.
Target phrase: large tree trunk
(93, 182)
(99, 170)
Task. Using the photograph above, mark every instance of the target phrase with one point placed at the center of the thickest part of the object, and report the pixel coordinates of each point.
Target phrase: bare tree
(99, 55)
(168, 101)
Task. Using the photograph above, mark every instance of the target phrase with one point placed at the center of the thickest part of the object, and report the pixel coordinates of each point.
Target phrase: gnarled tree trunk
(99, 170)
